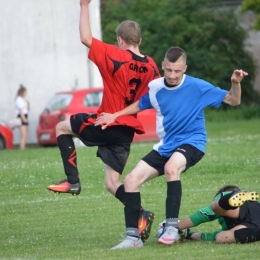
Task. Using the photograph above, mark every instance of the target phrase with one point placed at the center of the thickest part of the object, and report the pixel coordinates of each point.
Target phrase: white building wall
(40, 48)
(247, 20)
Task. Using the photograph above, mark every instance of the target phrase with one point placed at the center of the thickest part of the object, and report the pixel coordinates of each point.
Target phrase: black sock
(69, 157)
(120, 193)
(223, 201)
(132, 209)
(173, 200)
(247, 235)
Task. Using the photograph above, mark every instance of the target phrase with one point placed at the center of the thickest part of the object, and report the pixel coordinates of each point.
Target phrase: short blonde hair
(130, 32)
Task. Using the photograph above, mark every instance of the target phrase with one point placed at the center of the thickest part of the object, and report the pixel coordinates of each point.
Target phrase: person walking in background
(22, 110)
(126, 74)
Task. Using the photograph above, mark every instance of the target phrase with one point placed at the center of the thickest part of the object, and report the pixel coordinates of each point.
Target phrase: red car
(64, 104)
(6, 136)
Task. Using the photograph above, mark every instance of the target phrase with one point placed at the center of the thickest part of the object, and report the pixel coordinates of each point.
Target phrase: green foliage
(211, 36)
(233, 113)
(253, 5)
(38, 224)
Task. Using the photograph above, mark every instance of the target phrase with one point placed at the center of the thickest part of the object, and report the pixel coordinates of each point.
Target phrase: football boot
(65, 187)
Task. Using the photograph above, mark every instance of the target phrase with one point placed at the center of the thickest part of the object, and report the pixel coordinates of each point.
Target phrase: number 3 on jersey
(134, 85)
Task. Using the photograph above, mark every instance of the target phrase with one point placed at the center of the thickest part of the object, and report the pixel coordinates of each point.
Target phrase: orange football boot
(145, 224)
(65, 187)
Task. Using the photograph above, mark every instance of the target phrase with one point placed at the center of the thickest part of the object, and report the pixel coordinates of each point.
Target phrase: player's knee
(129, 178)
(59, 127)
(63, 127)
(131, 181)
(171, 172)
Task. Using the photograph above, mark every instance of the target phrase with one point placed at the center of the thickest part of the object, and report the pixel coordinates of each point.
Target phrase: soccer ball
(160, 229)
(182, 233)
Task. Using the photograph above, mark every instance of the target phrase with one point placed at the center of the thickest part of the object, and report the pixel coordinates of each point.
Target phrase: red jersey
(125, 77)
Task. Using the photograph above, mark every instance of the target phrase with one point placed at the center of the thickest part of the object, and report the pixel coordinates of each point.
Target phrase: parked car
(63, 104)
(6, 136)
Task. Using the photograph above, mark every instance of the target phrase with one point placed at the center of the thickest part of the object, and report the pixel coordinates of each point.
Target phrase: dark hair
(230, 187)
(174, 54)
(130, 32)
(21, 90)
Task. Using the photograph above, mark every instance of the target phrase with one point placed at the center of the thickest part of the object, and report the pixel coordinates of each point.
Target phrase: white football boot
(169, 236)
(129, 243)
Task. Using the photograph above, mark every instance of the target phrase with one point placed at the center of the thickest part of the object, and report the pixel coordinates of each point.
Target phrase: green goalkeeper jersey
(206, 214)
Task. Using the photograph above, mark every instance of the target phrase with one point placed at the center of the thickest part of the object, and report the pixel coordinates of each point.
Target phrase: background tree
(210, 35)
(253, 5)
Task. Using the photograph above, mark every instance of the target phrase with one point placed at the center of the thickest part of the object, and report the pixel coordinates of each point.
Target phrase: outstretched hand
(238, 75)
(105, 119)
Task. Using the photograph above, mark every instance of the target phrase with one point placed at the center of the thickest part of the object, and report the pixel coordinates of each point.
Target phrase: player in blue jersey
(179, 101)
(236, 211)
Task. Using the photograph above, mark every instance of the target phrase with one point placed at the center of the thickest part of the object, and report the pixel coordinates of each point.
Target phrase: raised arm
(105, 118)
(84, 26)
(233, 97)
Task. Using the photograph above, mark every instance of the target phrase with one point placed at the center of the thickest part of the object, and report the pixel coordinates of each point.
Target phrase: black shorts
(249, 216)
(191, 153)
(23, 123)
(113, 142)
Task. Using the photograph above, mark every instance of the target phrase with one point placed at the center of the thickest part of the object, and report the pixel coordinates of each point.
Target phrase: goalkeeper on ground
(237, 212)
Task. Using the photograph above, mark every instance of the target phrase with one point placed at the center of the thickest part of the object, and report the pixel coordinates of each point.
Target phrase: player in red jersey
(126, 74)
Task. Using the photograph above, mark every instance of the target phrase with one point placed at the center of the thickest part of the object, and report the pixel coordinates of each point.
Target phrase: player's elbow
(232, 102)
(232, 99)
(86, 41)
(236, 102)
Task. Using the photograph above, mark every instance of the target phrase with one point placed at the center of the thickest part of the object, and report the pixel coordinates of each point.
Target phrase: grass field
(38, 224)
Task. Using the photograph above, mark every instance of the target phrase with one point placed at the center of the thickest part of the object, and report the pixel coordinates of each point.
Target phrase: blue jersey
(180, 112)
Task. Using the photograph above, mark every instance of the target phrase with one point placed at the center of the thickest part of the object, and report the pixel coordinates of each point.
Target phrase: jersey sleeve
(97, 54)
(204, 214)
(211, 95)
(145, 103)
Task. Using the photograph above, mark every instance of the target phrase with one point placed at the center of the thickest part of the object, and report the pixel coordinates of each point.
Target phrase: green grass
(38, 224)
